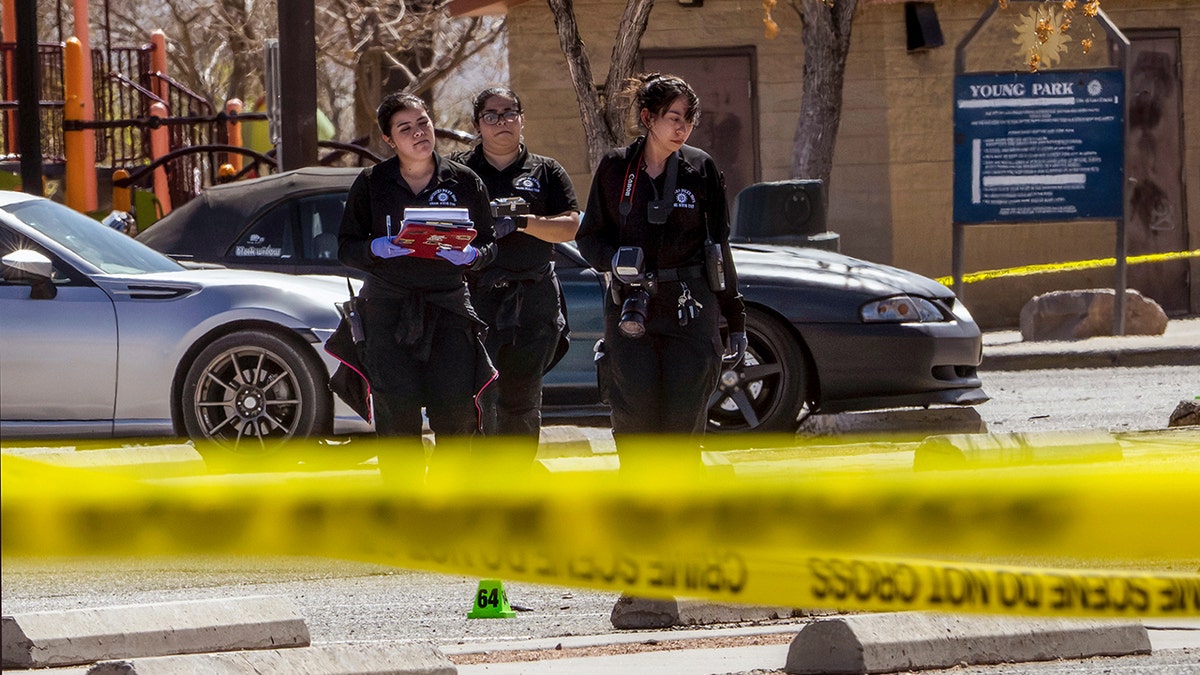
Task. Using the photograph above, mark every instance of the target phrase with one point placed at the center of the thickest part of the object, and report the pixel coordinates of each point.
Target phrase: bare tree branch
(601, 112)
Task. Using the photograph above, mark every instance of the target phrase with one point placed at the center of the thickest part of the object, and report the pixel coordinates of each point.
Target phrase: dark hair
(482, 97)
(656, 92)
(394, 103)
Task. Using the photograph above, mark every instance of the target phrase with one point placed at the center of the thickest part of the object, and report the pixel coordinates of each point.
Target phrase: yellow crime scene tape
(869, 541)
(1026, 270)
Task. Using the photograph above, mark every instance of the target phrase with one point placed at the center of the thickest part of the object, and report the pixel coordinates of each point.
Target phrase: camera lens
(633, 314)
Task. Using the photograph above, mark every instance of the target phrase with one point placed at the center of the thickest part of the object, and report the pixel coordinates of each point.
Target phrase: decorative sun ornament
(1042, 33)
(770, 28)
(1039, 39)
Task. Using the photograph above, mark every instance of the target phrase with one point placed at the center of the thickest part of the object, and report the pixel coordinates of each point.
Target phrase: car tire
(768, 389)
(249, 391)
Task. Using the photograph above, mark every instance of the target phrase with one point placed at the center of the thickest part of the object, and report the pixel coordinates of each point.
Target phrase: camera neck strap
(658, 210)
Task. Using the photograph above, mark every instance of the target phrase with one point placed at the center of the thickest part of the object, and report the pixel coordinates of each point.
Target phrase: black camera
(511, 207)
(637, 285)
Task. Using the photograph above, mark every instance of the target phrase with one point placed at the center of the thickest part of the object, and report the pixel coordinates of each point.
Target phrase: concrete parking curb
(981, 451)
(884, 643)
(157, 461)
(327, 659)
(599, 463)
(81, 636)
(905, 424)
(640, 613)
(570, 440)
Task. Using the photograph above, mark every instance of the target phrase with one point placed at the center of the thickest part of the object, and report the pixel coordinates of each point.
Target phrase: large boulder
(1081, 314)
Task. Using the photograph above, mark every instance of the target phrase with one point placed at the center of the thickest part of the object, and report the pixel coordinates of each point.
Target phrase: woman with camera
(518, 295)
(422, 345)
(657, 223)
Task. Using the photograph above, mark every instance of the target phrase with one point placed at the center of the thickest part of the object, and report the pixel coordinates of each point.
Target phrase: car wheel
(249, 391)
(765, 392)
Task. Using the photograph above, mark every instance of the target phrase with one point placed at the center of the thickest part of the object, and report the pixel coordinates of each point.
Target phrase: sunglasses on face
(495, 117)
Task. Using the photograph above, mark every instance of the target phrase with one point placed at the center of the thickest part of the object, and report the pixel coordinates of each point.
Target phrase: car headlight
(960, 311)
(901, 309)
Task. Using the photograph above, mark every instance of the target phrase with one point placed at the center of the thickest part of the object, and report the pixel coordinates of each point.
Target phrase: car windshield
(111, 251)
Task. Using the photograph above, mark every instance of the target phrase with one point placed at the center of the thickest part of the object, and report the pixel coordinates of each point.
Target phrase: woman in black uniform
(518, 295)
(656, 219)
(422, 335)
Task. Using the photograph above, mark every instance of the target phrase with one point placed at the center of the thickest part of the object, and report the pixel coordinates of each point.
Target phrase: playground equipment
(168, 138)
(116, 108)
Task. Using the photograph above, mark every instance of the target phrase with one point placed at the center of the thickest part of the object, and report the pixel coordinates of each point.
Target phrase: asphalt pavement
(1175, 643)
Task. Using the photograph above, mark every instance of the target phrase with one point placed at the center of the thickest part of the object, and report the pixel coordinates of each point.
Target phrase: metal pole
(29, 87)
(298, 84)
(1120, 45)
(956, 260)
(1122, 269)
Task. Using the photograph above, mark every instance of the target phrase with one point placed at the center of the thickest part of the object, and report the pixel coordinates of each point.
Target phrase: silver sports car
(101, 336)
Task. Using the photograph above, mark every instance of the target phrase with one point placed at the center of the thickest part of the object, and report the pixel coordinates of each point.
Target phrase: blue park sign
(1039, 146)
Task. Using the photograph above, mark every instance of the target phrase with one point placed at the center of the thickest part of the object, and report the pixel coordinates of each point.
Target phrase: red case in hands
(426, 239)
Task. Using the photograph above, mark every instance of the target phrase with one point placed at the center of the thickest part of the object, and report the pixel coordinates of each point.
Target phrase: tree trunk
(370, 73)
(601, 111)
(826, 35)
(625, 54)
(244, 44)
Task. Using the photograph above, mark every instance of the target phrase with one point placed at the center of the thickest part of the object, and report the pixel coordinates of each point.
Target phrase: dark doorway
(1154, 167)
(725, 81)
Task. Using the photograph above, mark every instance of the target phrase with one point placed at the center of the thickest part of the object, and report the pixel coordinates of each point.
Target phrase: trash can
(788, 212)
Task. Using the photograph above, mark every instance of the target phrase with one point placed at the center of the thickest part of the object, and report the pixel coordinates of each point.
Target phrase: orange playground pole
(75, 145)
(88, 101)
(160, 144)
(158, 63)
(121, 198)
(8, 25)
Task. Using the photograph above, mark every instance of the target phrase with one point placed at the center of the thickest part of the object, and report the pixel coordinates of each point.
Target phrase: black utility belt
(678, 273)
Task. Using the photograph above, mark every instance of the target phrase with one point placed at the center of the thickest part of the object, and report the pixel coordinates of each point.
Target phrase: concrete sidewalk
(1179, 345)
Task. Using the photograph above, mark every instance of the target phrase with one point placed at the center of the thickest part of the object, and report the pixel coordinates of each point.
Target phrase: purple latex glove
(737, 348)
(504, 226)
(463, 257)
(383, 247)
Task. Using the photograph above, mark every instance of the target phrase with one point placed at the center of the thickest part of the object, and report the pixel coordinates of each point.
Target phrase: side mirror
(30, 267)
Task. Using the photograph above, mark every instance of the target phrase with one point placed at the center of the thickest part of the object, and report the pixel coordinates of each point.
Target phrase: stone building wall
(890, 195)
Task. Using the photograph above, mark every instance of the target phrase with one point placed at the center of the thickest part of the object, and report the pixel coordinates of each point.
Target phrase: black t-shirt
(379, 192)
(540, 181)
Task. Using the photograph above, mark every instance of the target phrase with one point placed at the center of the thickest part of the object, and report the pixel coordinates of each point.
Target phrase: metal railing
(50, 101)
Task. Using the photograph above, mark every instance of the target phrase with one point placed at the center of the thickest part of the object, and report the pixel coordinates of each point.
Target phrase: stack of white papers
(438, 215)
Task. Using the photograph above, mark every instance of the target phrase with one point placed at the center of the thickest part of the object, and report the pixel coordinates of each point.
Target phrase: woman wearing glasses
(656, 221)
(518, 295)
(422, 335)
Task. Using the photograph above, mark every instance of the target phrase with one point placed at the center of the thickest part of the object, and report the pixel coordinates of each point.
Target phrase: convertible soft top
(225, 210)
